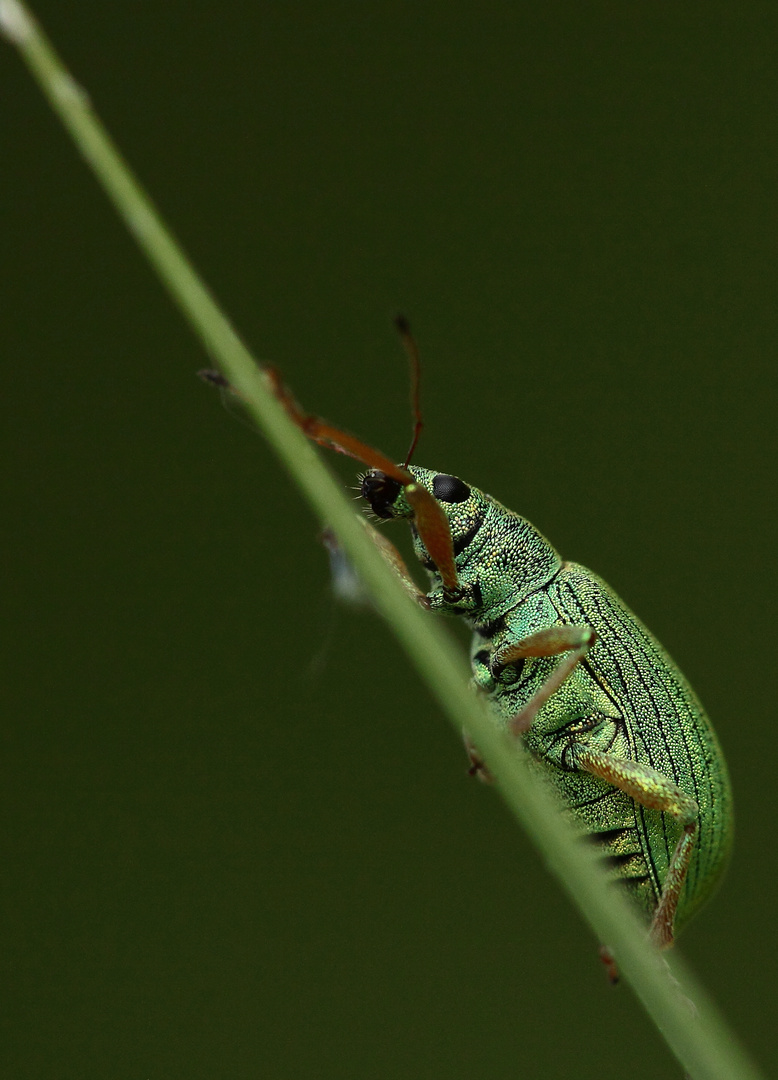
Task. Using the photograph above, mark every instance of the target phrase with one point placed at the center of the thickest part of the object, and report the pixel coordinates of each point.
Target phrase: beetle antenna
(412, 350)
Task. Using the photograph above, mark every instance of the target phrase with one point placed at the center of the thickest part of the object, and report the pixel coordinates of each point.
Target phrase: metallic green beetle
(603, 710)
(613, 724)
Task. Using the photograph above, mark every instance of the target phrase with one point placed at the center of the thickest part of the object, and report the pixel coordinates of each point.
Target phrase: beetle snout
(380, 491)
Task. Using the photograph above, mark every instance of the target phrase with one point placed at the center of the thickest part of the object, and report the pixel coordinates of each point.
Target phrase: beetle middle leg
(553, 640)
(575, 640)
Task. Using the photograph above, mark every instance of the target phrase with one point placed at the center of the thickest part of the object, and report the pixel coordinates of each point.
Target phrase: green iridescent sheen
(625, 711)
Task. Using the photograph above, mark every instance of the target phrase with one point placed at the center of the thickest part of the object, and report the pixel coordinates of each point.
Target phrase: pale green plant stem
(696, 1033)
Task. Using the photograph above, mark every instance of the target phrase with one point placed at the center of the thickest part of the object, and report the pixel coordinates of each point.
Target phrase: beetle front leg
(347, 585)
(656, 792)
(395, 560)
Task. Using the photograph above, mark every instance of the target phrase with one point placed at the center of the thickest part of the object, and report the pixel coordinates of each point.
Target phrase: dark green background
(237, 837)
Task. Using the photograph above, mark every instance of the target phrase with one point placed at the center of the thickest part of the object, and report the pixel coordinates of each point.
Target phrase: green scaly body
(626, 698)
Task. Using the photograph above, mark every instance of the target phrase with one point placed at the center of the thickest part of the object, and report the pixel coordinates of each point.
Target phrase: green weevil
(600, 705)
(603, 710)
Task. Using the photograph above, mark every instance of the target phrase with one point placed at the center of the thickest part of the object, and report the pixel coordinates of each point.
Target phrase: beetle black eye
(381, 492)
(449, 489)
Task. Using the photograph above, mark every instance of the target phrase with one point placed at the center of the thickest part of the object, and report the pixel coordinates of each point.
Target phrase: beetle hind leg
(651, 789)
